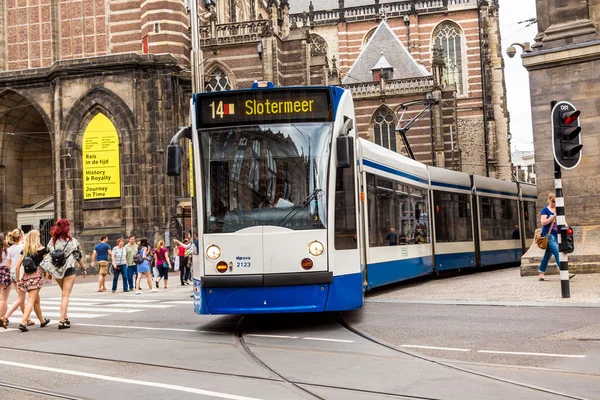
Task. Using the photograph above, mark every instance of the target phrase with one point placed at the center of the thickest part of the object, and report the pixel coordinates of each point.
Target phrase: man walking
(101, 254)
(131, 250)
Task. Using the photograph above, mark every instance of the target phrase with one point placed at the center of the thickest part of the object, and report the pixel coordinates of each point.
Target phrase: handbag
(542, 241)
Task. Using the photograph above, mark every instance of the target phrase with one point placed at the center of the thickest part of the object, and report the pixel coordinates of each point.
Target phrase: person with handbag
(549, 232)
(163, 263)
(64, 253)
(142, 259)
(32, 280)
(119, 262)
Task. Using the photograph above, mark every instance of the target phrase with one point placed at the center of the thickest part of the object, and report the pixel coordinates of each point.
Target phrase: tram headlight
(213, 252)
(316, 248)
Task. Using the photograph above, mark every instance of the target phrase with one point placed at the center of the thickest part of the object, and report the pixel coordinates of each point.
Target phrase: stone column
(567, 69)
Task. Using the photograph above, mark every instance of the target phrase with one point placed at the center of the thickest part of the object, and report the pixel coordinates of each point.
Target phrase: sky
(516, 76)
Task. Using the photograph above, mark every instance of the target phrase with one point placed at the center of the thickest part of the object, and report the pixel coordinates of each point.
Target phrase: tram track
(280, 378)
(299, 387)
(381, 343)
(47, 393)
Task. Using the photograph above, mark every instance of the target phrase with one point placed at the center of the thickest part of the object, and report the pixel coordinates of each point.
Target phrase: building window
(218, 82)
(448, 37)
(318, 46)
(384, 127)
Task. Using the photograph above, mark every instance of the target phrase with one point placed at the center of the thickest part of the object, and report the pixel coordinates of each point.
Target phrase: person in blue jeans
(548, 220)
(131, 249)
(119, 262)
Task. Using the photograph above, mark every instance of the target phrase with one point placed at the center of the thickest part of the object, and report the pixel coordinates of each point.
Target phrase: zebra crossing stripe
(92, 309)
(71, 315)
(105, 300)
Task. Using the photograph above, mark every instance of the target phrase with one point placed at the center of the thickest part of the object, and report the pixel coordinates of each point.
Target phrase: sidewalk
(504, 285)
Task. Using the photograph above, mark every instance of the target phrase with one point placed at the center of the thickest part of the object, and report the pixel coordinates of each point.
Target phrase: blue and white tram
(296, 214)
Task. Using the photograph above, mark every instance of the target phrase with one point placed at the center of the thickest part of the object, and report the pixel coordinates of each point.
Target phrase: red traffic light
(570, 231)
(569, 117)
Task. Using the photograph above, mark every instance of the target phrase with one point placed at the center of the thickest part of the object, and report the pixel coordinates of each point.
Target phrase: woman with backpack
(142, 259)
(32, 281)
(163, 263)
(65, 252)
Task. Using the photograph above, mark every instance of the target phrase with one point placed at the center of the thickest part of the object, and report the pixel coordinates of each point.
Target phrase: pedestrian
(119, 262)
(131, 250)
(548, 220)
(143, 268)
(15, 241)
(62, 267)
(5, 281)
(101, 253)
(392, 237)
(163, 263)
(182, 249)
(32, 281)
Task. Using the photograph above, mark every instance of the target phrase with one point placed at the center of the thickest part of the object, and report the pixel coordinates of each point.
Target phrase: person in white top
(15, 240)
(119, 262)
(5, 280)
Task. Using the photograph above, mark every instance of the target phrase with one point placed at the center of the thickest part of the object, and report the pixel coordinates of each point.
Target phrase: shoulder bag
(542, 241)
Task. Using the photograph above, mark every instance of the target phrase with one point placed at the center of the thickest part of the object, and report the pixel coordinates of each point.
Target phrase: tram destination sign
(263, 107)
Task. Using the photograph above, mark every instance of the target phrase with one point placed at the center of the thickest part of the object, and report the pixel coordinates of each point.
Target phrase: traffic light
(567, 243)
(566, 139)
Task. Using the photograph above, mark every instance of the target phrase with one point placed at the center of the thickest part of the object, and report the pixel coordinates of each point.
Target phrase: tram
(298, 214)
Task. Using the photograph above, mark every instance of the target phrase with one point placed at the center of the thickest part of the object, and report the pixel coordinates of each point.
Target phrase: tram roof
(497, 187)
(528, 191)
(449, 180)
(391, 163)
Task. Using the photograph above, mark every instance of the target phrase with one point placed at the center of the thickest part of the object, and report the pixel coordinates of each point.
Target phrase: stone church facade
(64, 63)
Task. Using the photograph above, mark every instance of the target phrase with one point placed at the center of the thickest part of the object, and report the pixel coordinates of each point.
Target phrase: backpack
(59, 258)
(139, 258)
(29, 265)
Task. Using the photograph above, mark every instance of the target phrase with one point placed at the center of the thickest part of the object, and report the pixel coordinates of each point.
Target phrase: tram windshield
(261, 175)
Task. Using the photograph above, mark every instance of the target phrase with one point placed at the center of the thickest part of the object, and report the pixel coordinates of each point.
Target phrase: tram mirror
(344, 145)
(174, 160)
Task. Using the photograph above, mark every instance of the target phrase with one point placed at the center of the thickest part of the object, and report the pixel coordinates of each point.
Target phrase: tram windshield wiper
(314, 195)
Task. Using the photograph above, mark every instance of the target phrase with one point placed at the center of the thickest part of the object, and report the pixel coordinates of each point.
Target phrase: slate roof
(299, 6)
(384, 42)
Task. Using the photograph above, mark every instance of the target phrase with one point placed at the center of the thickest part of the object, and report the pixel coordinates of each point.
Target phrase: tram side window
(345, 209)
(452, 217)
(530, 218)
(498, 218)
(398, 213)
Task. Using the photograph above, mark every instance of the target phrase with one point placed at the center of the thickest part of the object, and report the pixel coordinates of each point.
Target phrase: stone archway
(26, 157)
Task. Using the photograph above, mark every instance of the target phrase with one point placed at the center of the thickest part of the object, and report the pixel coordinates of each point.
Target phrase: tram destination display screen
(263, 107)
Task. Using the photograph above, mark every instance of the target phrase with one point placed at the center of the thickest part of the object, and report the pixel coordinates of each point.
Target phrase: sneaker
(156, 284)
(113, 291)
(138, 292)
(154, 291)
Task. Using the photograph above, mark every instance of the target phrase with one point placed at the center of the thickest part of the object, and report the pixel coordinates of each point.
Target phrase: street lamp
(511, 51)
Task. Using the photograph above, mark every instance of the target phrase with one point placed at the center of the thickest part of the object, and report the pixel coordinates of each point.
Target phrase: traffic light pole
(561, 222)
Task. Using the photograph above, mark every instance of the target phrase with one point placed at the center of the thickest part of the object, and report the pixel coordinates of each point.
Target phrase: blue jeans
(131, 270)
(551, 250)
(122, 271)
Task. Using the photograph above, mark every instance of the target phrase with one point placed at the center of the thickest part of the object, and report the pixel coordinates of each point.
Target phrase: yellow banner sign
(101, 160)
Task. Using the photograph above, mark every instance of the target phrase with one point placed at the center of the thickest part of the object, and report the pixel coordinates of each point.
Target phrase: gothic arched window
(448, 37)
(384, 128)
(318, 46)
(368, 36)
(218, 82)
